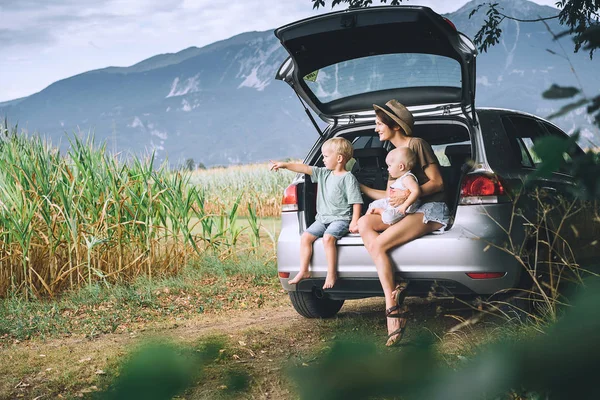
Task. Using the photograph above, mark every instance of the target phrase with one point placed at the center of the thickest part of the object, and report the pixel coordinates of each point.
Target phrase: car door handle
(548, 188)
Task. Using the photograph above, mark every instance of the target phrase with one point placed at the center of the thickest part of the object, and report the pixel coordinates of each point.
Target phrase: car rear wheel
(309, 305)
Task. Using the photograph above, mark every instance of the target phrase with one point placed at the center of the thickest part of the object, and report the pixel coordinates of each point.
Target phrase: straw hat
(396, 111)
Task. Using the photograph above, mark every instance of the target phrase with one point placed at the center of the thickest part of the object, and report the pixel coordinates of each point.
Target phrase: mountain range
(220, 104)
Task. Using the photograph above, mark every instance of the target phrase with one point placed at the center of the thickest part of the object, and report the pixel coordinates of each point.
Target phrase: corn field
(84, 217)
(253, 184)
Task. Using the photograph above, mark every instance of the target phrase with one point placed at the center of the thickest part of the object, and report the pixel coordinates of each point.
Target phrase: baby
(399, 162)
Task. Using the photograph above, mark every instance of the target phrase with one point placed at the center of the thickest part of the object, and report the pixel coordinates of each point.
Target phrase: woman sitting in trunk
(394, 123)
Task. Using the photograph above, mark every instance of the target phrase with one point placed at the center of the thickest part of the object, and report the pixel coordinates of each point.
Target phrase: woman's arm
(375, 194)
(436, 183)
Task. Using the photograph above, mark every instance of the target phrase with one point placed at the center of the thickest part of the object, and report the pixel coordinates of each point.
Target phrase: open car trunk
(451, 143)
(341, 63)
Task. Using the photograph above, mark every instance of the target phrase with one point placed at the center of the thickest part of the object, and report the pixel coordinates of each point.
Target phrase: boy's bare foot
(329, 281)
(299, 276)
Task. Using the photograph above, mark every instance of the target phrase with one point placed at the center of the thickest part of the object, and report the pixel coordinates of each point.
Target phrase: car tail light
(284, 275)
(450, 23)
(485, 275)
(481, 189)
(290, 199)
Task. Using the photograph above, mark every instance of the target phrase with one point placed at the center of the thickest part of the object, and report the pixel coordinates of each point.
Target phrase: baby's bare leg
(329, 242)
(306, 249)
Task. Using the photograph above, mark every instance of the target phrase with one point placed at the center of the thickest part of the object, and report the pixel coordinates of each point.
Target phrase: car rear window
(381, 72)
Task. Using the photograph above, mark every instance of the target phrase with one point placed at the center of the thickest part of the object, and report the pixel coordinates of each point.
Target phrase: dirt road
(260, 340)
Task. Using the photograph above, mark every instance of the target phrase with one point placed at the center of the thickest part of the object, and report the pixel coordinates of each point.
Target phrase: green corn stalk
(254, 224)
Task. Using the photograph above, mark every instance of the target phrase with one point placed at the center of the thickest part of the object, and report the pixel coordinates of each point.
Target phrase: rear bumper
(472, 245)
(357, 288)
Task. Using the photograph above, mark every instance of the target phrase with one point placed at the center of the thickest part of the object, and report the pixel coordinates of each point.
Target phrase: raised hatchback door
(343, 62)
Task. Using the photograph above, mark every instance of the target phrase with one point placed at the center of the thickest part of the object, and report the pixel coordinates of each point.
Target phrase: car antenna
(312, 119)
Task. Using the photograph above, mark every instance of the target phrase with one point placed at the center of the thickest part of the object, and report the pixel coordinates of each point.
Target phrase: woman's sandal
(395, 337)
(400, 312)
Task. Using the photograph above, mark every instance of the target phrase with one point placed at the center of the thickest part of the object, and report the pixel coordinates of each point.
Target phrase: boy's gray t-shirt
(335, 195)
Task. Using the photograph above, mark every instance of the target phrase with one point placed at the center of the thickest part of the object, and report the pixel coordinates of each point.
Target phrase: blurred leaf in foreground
(156, 372)
(558, 155)
(551, 150)
(361, 370)
(560, 92)
(568, 108)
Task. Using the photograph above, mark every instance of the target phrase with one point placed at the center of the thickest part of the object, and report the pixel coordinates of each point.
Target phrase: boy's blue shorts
(336, 229)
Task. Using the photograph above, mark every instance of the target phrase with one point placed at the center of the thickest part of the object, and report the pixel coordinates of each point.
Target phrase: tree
(189, 164)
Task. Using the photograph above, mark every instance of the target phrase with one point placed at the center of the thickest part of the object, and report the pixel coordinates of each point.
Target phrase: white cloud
(136, 123)
(483, 81)
(160, 134)
(185, 106)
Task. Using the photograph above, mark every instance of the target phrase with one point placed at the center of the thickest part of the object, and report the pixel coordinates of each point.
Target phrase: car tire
(309, 305)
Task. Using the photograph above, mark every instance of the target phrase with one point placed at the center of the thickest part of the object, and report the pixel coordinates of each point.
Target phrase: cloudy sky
(42, 41)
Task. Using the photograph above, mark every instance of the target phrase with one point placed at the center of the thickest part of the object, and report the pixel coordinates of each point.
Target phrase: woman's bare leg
(329, 243)
(369, 227)
(407, 229)
(306, 250)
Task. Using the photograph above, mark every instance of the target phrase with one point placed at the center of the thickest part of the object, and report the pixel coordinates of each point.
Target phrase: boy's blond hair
(404, 155)
(339, 146)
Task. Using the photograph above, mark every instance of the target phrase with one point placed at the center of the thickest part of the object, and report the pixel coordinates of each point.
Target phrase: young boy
(338, 205)
(399, 162)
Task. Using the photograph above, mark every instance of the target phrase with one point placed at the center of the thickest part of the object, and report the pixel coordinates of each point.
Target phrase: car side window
(522, 133)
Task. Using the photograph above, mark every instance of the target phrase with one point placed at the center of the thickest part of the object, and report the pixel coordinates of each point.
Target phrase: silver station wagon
(342, 63)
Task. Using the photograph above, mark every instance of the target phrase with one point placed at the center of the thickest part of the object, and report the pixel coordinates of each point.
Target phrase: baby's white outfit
(391, 215)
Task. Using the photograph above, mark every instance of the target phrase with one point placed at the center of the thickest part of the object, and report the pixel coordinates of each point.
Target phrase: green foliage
(581, 18)
(162, 371)
(567, 108)
(358, 370)
(552, 150)
(353, 3)
(490, 32)
(156, 372)
(557, 155)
